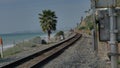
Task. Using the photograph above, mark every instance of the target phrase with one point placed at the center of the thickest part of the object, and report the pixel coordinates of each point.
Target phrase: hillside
(118, 2)
(86, 24)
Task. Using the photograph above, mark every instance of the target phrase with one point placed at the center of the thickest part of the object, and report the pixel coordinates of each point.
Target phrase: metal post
(93, 35)
(113, 42)
(95, 28)
(1, 44)
(95, 41)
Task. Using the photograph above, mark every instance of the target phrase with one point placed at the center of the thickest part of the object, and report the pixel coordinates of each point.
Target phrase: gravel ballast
(80, 55)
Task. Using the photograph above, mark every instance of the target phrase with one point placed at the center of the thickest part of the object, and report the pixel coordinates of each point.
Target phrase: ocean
(10, 39)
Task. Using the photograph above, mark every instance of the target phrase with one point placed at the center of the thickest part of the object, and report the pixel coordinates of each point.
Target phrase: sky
(22, 15)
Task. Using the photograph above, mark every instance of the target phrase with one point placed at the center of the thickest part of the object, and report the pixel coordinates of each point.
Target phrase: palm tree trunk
(49, 32)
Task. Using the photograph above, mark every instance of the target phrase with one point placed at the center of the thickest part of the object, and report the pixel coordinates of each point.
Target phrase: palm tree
(48, 21)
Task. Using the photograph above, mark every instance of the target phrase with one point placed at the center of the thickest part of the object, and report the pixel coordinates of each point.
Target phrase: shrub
(82, 28)
(90, 25)
(59, 33)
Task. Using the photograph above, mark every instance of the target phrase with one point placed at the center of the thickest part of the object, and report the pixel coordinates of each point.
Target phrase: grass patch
(20, 47)
(12, 51)
(26, 44)
(118, 62)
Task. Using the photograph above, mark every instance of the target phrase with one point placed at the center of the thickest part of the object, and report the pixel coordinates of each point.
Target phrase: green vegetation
(24, 46)
(82, 28)
(20, 47)
(88, 22)
(48, 21)
(59, 33)
(118, 2)
(12, 51)
(118, 61)
(90, 25)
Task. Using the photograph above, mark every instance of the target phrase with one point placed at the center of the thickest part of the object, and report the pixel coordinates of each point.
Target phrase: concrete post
(113, 41)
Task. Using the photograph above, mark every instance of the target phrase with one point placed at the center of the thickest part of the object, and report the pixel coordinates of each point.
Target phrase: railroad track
(39, 59)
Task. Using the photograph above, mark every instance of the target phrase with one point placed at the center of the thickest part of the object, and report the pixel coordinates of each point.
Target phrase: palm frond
(48, 20)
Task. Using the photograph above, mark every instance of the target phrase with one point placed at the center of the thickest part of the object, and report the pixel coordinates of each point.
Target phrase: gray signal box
(104, 25)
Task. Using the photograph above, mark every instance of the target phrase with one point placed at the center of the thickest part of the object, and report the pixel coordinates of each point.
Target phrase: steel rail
(41, 58)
